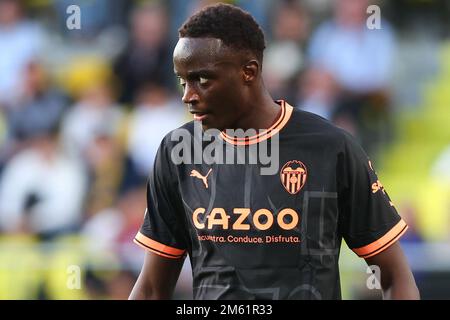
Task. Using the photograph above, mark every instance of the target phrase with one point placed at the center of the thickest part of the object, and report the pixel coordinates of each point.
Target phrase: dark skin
(157, 279)
(223, 88)
(397, 280)
(223, 83)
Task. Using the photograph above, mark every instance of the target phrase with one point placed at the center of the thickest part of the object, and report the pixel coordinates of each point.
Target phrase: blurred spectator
(360, 61)
(94, 113)
(155, 115)
(41, 190)
(284, 58)
(3, 128)
(413, 239)
(113, 229)
(317, 93)
(3, 139)
(132, 207)
(181, 9)
(105, 161)
(37, 108)
(409, 214)
(260, 10)
(148, 56)
(20, 43)
(359, 58)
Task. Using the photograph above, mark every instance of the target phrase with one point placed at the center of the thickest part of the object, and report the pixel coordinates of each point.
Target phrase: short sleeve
(369, 222)
(162, 231)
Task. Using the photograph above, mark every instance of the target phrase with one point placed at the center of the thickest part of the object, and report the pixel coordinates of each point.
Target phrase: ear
(250, 71)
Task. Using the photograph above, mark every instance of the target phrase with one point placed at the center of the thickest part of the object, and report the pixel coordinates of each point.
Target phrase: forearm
(137, 293)
(141, 291)
(157, 279)
(401, 288)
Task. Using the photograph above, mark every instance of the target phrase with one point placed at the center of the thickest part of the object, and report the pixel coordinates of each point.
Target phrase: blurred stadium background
(82, 113)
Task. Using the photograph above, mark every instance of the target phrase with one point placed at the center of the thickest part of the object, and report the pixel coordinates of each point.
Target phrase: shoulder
(178, 145)
(175, 136)
(311, 125)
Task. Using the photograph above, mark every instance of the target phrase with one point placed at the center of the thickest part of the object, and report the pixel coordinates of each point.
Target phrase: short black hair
(234, 26)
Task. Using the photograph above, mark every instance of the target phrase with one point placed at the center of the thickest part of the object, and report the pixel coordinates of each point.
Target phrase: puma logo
(195, 173)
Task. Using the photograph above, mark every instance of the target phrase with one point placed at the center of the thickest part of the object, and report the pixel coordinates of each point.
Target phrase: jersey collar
(286, 112)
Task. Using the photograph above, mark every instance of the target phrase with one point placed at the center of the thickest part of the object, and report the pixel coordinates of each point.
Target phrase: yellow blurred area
(405, 171)
(406, 165)
(17, 255)
(30, 269)
(84, 73)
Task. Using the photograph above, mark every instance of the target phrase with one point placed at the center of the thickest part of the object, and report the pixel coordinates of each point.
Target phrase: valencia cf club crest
(293, 176)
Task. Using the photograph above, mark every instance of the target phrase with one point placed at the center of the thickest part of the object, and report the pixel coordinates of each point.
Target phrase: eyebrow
(198, 73)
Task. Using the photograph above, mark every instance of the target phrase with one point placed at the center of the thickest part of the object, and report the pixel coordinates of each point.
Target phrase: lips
(199, 115)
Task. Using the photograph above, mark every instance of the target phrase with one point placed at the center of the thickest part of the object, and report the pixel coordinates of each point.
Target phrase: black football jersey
(268, 236)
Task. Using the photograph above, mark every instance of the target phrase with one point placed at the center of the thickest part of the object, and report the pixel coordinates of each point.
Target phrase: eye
(182, 81)
(203, 80)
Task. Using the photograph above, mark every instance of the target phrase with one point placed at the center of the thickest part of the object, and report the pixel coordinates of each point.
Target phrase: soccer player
(255, 236)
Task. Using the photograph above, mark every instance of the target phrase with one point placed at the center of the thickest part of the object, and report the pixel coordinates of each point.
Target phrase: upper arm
(397, 279)
(391, 261)
(158, 277)
(163, 234)
(369, 222)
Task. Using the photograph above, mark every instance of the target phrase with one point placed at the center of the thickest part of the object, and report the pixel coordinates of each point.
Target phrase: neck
(261, 112)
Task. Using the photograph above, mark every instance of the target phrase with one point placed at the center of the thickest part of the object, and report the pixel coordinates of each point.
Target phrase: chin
(208, 126)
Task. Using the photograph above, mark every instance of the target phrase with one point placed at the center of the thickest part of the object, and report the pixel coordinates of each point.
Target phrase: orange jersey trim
(158, 248)
(286, 112)
(384, 242)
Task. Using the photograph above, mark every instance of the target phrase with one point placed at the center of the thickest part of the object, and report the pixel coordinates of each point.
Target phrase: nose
(190, 95)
